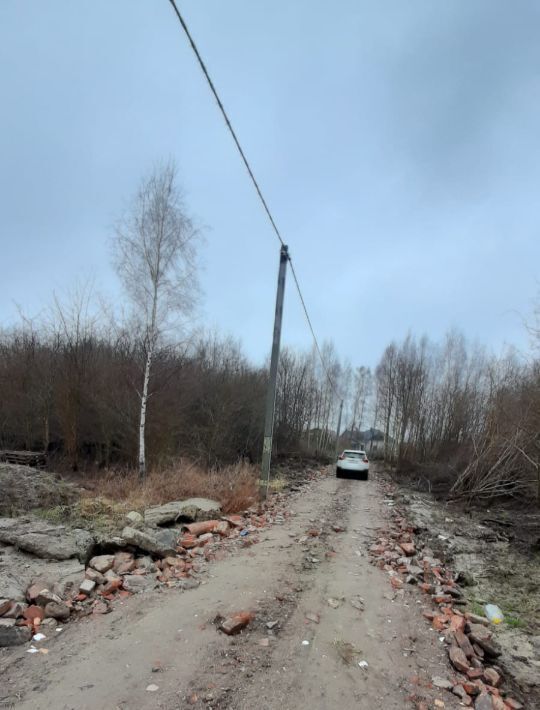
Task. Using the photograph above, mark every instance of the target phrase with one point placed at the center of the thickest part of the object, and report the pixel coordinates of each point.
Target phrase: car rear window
(353, 454)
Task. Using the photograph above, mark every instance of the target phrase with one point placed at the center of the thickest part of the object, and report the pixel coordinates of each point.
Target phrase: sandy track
(106, 662)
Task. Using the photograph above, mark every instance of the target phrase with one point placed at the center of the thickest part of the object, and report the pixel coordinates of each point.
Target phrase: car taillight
(366, 459)
(341, 457)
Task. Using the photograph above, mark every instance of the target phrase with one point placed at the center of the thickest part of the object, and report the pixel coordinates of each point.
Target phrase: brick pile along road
(318, 625)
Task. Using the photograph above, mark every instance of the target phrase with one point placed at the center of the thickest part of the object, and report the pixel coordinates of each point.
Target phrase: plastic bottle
(493, 613)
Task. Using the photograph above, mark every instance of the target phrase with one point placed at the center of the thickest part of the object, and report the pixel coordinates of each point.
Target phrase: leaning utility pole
(338, 430)
(272, 380)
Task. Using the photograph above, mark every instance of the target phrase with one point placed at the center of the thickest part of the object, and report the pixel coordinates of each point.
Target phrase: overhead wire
(255, 183)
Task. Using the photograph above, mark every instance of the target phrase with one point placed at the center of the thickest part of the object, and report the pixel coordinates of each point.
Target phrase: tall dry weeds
(234, 486)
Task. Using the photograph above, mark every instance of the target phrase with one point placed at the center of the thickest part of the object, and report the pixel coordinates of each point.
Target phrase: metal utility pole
(272, 380)
(338, 430)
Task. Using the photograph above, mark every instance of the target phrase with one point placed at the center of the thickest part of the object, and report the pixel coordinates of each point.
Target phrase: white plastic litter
(363, 664)
(32, 649)
(38, 637)
(152, 688)
(305, 643)
(493, 613)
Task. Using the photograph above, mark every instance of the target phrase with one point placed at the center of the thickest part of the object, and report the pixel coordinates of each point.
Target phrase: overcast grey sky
(397, 144)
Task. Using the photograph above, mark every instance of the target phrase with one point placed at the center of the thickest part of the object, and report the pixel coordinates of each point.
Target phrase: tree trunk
(144, 402)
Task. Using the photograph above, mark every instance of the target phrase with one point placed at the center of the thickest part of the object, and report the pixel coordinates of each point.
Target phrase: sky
(397, 145)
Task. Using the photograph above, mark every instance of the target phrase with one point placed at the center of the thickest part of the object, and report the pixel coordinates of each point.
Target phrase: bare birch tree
(154, 255)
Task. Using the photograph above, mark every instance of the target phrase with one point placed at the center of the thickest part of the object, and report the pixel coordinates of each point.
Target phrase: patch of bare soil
(24, 488)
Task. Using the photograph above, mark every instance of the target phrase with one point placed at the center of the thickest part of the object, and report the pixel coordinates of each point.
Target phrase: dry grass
(235, 486)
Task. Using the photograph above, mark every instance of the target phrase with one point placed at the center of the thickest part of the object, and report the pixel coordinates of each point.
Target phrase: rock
(94, 575)
(458, 659)
(65, 588)
(189, 583)
(492, 677)
(134, 519)
(51, 542)
(34, 590)
(471, 688)
(475, 619)
(15, 611)
(87, 586)
(160, 542)
(482, 636)
(145, 563)
(442, 683)
(483, 702)
(102, 563)
(514, 704)
(222, 528)
(464, 643)
(460, 691)
(416, 571)
(45, 596)
(5, 605)
(137, 583)
(234, 624)
(57, 610)
(190, 509)
(465, 579)
(408, 548)
(124, 562)
(12, 635)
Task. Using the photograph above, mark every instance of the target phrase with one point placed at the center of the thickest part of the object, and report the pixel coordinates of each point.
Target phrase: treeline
(475, 415)
(70, 385)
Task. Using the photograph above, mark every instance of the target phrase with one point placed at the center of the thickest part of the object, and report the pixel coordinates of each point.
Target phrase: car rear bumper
(360, 475)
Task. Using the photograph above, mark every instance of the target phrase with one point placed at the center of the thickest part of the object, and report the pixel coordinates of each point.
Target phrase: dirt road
(107, 662)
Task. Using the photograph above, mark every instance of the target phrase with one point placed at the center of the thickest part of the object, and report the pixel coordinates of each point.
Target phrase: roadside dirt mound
(24, 488)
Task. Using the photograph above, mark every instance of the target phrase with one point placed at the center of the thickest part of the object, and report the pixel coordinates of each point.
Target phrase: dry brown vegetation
(461, 420)
(234, 486)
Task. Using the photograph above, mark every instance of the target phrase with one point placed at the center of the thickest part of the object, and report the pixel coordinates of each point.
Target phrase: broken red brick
(438, 622)
(475, 673)
(457, 623)
(188, 541)
(33, 612)
(471, 688)
(236, 622)
(396, 582)
(205, 526)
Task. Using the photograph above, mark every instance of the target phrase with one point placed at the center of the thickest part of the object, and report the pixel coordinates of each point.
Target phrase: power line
(224, 113)
(253, 180)
(327, 374)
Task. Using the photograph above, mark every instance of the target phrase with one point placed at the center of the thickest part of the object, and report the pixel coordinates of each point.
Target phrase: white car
(353, 464)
